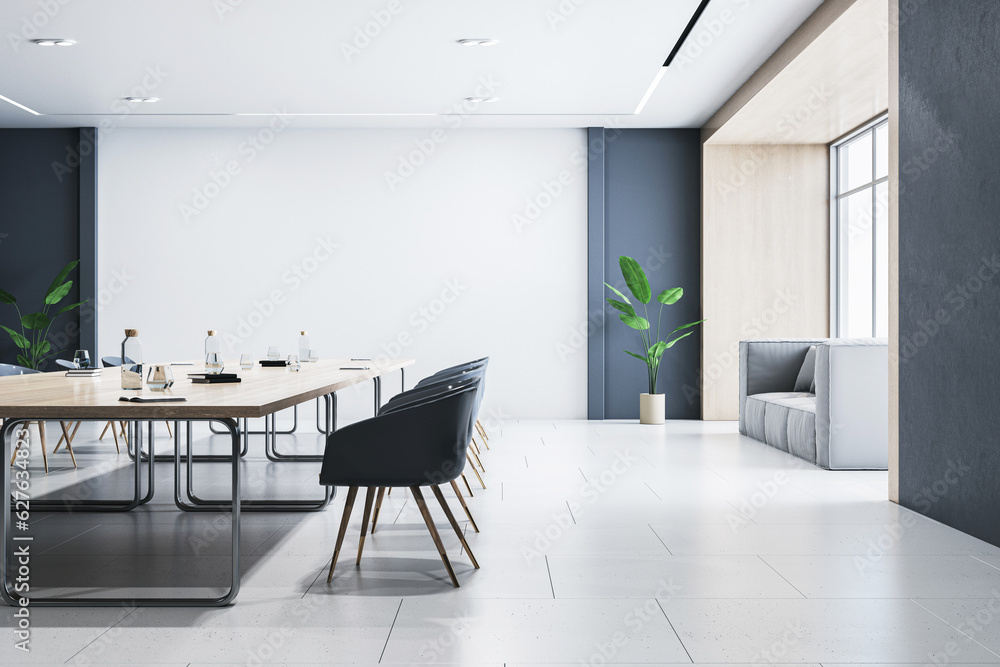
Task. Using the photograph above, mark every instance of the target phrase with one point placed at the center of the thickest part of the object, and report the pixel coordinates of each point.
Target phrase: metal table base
(194, 503)
(13, 598)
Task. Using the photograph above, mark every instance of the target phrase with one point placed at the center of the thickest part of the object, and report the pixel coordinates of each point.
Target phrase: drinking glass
(246, 361)
(81, 358)
(313, 355)
(160, 377)
(293, 363)
(273, 354)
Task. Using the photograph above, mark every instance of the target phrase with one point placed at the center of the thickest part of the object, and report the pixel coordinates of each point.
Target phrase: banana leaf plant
(32, 340)
(653, 347)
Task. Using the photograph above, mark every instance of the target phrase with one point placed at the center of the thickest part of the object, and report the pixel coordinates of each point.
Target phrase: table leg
(194, 503)
(271, 440)
(84, 505)
(14, 599)
(295, 423)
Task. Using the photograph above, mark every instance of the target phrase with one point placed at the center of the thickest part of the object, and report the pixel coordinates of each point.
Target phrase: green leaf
(58, 294)
(657, 350)
(622, 296)
(671, 343)
(60, 278)
(18, 339)
(634, 321)
(637, 356)
(40, 348)
(6, 297)
(685, 326)
(50, 354)
(71, 306)
(35, 321)
(624, 307)
(24, 361)
(670, 296)
(635, 278)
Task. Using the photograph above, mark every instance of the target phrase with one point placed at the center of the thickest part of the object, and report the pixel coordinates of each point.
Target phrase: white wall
(305, 232)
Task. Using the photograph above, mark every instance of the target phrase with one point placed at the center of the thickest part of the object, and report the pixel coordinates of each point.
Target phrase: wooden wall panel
(765, 256)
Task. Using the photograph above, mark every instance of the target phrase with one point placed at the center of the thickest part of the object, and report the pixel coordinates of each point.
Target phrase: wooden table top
(261, 392)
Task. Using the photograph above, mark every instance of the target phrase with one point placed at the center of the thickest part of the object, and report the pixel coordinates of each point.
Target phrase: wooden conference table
(262, 393)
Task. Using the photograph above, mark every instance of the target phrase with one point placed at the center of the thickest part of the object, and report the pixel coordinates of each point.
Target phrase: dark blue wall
(40, 200)
(651, 193)
(949, 264)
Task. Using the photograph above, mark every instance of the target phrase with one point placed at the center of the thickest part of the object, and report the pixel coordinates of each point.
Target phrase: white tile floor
(601, 543)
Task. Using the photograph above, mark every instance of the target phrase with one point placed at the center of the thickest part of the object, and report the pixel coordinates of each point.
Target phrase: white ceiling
(560, 63)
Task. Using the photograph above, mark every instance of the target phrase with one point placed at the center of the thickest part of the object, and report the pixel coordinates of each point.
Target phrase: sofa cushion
(798, 436)
(755, 408)
(807, 374)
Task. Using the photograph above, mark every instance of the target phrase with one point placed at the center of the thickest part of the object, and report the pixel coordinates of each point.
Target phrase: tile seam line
(548, 569)
(804, 597)
(679, 640)
(106, 630)
(660, 539)
(389, 634)
(970, 638)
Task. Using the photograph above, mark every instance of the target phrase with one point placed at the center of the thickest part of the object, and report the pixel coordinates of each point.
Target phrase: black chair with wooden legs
(421, 394)
(414, 397)
(420, 445)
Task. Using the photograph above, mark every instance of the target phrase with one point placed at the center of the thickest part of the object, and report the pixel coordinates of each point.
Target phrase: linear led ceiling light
(673, 52)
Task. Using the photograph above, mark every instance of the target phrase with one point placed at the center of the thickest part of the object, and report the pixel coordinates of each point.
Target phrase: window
(860, 236)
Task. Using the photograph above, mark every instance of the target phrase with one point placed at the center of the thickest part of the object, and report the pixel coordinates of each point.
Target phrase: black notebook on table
(213, 378)
(151, 399)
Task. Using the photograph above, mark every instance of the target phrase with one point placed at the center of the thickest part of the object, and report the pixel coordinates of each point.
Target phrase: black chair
(422, 444)
(420, 395)
(460, 369)
(475, 369)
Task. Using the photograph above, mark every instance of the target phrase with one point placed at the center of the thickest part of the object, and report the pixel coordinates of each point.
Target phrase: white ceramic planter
(651, 408)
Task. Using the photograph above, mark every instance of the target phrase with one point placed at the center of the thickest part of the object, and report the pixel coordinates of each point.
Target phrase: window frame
(837, 276)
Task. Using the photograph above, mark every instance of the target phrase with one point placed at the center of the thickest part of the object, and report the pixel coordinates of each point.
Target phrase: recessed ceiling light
(479, 42)
(482, 99)
(141, 99)
(54, 42)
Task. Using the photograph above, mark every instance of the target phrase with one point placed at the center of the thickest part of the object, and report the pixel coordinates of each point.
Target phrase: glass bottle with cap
(213, 361)
(131, 361)
(304, 347)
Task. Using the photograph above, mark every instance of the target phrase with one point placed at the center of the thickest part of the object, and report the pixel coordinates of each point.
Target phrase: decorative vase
(651, 408)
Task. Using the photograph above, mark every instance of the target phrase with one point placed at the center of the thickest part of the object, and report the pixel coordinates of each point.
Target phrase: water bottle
(213, 362)
(304, 347)
(131, 361)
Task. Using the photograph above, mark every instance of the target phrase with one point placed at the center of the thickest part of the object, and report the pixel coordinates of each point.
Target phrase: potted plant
(651, 405)
(33, 338)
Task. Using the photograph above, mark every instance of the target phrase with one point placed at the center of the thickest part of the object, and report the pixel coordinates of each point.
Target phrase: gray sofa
(839, 420)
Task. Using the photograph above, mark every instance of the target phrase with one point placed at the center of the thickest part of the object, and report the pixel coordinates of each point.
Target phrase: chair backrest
(460, 368)
(424, 443)
(11, 369)
(477, 370)
(111, 361)
(65, 363)
(432, 393)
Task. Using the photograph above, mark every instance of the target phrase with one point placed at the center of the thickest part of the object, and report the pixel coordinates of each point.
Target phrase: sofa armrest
(852, 404)
(770, 364)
